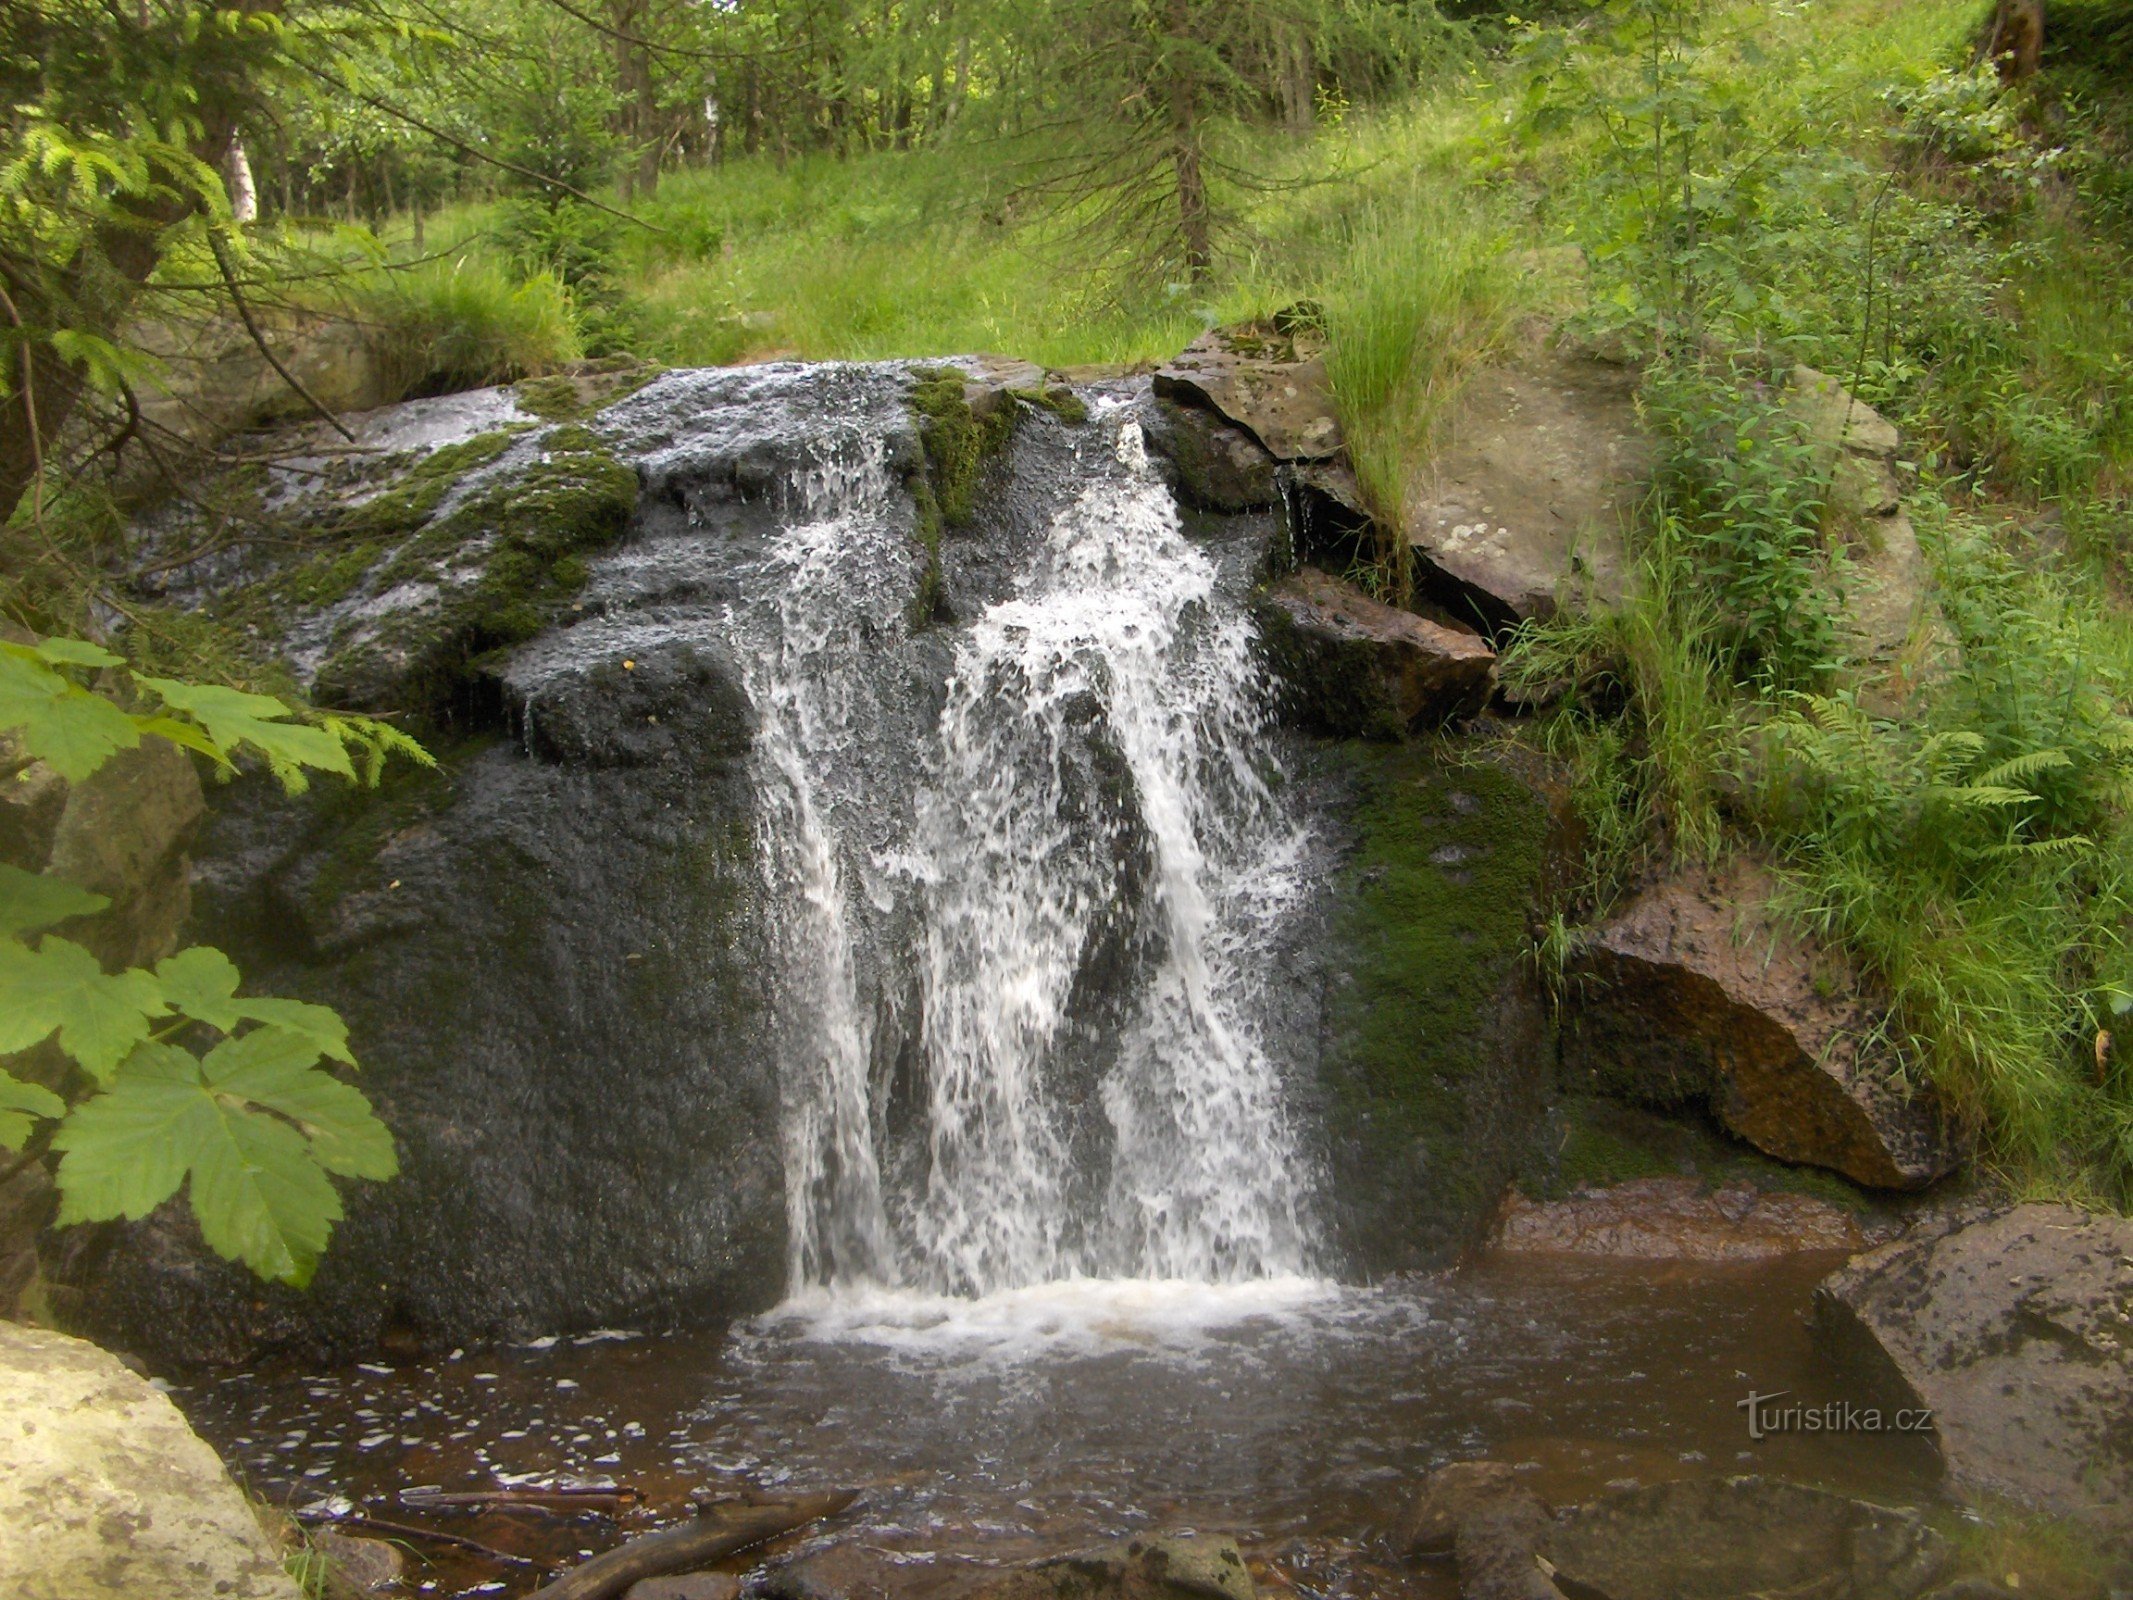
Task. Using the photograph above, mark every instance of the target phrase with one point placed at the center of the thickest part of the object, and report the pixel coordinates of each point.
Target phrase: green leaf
(258, 1185)
(19, 1102)
(275, 1070)
(59, 721)
(76, 653)
(99, 1016)
(232, 717)
(202, 983)
(125, 1152)
(261, 1198)
(30, 900)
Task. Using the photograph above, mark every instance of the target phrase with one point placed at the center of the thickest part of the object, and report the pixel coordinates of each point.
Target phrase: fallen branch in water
(408, 1530)
(607, 1501)
(719, 1532)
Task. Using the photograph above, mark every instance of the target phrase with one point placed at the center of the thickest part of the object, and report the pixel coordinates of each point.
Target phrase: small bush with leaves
(183, 1081)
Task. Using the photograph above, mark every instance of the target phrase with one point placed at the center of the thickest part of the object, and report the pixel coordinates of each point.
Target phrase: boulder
(1530, 501)
(2016, 1329)
(106, 1494)
(1696, 993)
(358, 1566)
(1354, 665)
(1889, 626)
(1269, 382)
(1429, 1524)
(1214, 464)
(1155, 1567)
(1675, 1219)
(1722, 1538)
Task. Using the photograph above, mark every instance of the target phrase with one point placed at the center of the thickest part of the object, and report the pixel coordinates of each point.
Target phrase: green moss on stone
(1059, 400)
(958, 439)
(524, 539)
(1595, 1143)
(1435, 1048)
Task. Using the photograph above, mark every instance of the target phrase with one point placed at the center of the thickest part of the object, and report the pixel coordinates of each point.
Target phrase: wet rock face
(1534, 493)
(1694, 994)
(1213, 464)
(1675, 1219)
(2016, 1329)
(106, 1494)
(1433, 1044)
(1352, 665)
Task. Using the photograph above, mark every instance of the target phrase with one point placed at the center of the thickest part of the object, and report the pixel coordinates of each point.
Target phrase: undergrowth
(1756, 190)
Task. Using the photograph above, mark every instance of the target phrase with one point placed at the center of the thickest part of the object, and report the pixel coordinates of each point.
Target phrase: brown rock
(1356, 665)
(1157, 1567)
(2017, 1331)
(1724, 1538)
(1533, 496)
(687, 1586)
(362, 1566)
(1430, 1524)
(1695, 993)
(1675, 1219)
(1261, 380)
(1214, 464)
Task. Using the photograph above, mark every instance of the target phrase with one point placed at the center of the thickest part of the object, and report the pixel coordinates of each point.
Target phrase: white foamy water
(1093, 863)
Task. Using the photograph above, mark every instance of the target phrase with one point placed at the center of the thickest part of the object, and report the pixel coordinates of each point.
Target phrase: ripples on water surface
(1290, 1411)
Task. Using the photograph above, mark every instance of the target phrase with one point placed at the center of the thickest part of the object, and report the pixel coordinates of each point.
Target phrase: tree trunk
(1195, 226)
(2014, 40)
(1299, 81)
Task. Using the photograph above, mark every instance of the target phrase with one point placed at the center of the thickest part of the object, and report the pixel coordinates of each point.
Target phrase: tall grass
(459, 323)
(1420, 295)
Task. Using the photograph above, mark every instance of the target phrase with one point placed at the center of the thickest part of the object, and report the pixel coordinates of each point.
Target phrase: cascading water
(1088, 829)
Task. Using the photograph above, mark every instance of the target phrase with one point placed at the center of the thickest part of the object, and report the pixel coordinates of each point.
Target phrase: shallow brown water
(1293, 1414)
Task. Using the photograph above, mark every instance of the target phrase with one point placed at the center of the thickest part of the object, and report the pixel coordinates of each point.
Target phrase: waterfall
(1086, 827)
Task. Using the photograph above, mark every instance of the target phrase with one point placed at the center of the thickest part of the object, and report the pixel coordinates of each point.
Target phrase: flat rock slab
(2017, 1331)
(106, 1494)
(1262, 381)
(1725, 1538)
(1214, 464)
(1354, 665)
(1676, 1219)
(1532, 498)
(1697, 993)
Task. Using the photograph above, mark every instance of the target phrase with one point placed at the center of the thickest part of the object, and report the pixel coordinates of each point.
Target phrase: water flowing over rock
(106, 1494)
(1696, 994)
(2016, 1329)
(823, 894)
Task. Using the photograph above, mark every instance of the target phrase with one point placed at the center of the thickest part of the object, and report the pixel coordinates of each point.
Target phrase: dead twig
(408, 1530)
(720, 1532)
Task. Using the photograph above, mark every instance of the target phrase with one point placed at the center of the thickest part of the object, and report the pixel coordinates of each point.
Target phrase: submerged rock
(1696, 994)
(1269, 382)
(2016, 1329)
(1675, 1219)
(1532, 498)
(1722, 1538)
(1153, 1567)
(1354, 665)
(106, 1494)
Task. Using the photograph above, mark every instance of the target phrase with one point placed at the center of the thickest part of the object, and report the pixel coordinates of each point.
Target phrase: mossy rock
(1435, 1046)
(501, 564)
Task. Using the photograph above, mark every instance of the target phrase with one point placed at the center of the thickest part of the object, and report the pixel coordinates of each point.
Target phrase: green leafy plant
(175, 1079)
